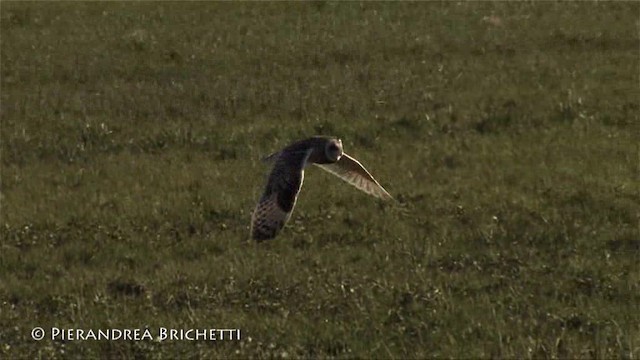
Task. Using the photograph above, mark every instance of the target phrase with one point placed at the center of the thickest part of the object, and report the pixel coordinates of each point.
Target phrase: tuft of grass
(131, 137)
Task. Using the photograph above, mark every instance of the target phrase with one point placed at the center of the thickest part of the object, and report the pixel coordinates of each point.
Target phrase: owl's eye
(333, 147)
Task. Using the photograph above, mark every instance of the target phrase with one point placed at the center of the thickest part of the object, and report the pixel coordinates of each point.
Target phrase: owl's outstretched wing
(280, 195)
(351, 171)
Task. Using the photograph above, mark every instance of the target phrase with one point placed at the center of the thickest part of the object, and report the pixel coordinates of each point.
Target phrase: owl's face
(333, 150)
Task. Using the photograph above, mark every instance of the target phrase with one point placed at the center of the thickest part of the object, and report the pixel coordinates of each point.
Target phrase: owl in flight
(284, 182)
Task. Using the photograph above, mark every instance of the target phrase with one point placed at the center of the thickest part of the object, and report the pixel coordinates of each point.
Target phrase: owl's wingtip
(388, 197)
(259, 236)
(260, 233)
(384, 195)
(270, 158)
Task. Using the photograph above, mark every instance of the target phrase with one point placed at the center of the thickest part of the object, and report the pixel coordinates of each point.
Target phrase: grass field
(508, 132)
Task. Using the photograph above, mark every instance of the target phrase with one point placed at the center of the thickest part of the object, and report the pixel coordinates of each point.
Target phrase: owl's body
(283, 185)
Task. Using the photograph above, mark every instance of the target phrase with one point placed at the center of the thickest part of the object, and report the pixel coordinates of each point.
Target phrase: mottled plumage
(284, 183)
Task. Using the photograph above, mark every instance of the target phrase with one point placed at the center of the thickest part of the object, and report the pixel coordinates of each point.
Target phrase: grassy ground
(131, 137)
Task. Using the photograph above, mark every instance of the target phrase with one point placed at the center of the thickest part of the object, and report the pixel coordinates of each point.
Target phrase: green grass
(131, 142)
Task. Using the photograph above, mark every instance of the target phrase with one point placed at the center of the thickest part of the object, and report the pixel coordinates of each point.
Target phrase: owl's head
(333, 150)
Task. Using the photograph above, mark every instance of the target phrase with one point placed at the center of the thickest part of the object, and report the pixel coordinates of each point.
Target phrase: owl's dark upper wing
(279, 197)
(351, 171)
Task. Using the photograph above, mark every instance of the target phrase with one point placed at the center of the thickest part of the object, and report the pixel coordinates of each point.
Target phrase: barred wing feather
(279, 198)
(351, 171)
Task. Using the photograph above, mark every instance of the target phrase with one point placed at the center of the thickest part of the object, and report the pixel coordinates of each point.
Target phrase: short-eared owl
(284, 183)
